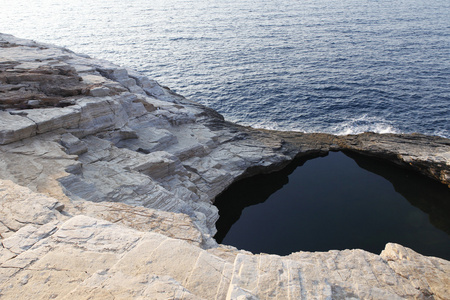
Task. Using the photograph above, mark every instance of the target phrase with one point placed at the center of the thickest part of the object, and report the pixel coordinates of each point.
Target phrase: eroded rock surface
(107, 183)
(78, 256)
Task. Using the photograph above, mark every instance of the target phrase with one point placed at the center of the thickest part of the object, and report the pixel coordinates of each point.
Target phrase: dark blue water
(336, 202)
(328, 65)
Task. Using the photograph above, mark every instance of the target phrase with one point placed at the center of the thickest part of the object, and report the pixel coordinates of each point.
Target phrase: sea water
(316, 66)
(336, 202)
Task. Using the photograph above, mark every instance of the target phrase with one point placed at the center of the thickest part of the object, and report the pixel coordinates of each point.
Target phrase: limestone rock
(174, 225)
(15, 127)
(54, 118)
(91, 258)
(21, 207)
(429, 275)
(99, 92)
(44, 83)
(73, 144)
(428, 155)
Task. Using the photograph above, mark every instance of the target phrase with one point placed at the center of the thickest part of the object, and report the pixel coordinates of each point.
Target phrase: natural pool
(340, 201)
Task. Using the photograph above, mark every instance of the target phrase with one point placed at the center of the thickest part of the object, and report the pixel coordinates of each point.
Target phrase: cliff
(107, 183)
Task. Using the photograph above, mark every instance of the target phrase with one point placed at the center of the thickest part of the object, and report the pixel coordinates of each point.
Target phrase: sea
(334, 66)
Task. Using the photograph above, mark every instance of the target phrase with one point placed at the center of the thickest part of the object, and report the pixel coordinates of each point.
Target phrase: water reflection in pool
(341, 201)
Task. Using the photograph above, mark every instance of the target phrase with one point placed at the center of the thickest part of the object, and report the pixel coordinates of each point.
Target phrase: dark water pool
(341, 201)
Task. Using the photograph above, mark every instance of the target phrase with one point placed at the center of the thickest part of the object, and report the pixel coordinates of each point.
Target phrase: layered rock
(77, 256)
(108, 181)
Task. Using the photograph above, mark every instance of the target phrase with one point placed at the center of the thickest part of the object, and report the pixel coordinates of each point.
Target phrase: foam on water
(365, 124)
(357, 125)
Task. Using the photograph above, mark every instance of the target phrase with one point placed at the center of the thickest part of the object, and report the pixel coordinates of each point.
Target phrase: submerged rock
(107, 183)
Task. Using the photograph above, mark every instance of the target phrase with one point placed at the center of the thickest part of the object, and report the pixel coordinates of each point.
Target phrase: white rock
(21, 207)
(34, 103)
(100, 92)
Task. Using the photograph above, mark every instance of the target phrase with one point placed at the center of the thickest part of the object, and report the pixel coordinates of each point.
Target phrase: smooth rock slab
(174, 225)
(15, 127)
(49, 119)
(86, 257)
(21, 207)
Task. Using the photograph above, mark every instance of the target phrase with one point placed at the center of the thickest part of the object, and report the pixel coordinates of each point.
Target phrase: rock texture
(107, 183)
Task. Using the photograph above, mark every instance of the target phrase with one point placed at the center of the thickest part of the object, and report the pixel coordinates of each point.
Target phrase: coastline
(122, 171)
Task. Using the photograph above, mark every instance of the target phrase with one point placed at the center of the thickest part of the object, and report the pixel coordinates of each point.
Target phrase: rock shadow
(251, 191)
(424, 193)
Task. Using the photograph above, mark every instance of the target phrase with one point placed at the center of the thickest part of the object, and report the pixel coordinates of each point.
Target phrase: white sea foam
(269, 126)
(362, 124)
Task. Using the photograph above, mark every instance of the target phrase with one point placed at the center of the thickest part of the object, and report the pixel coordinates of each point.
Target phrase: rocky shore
(107, 184)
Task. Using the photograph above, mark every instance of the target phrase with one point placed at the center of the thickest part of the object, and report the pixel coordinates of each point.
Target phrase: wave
(363, 123)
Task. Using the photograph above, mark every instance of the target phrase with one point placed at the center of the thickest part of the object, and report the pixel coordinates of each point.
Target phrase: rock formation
(107, 183)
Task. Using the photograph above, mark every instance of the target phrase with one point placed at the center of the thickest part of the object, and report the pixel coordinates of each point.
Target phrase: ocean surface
(314, 66)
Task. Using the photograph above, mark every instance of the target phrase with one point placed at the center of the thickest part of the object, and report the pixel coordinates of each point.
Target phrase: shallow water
(336, 202)
(327, 66)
